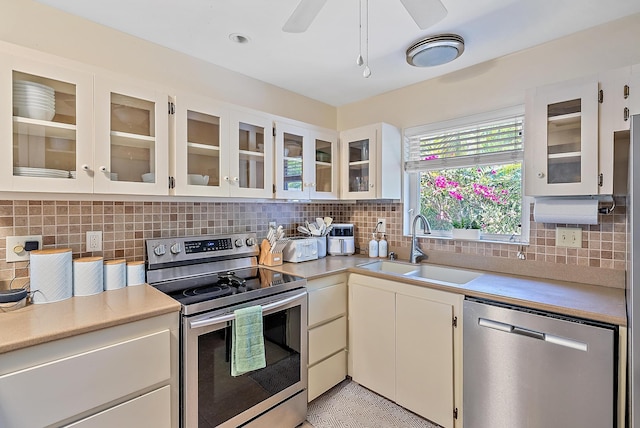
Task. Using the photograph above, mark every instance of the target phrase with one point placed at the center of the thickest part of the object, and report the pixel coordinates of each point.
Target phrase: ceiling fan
(424, 12)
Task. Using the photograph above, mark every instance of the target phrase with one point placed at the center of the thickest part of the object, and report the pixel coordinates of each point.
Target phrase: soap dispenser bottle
(383, 247)
(373, 246)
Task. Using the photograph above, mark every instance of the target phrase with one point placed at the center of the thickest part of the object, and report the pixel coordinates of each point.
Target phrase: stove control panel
(181, 250)
(206, 245)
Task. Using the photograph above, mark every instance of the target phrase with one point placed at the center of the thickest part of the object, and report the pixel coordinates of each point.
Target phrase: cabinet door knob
(541, 175)
(102, 168)
(85, 167)
(226, 178)
(236, 179)
(371, 185)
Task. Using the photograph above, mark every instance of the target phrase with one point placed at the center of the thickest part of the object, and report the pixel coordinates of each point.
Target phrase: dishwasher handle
(556, 340)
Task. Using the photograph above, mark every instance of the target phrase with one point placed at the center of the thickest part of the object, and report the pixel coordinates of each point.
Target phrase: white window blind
(484, 142)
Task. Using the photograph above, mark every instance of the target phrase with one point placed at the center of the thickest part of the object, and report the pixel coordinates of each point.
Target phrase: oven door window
(222, 396)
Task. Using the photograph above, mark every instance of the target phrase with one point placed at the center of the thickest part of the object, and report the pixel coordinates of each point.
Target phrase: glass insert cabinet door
(565, 126)
(251, 156)
(202, 148)
(46, 116)
(324, 155)
(131, 139)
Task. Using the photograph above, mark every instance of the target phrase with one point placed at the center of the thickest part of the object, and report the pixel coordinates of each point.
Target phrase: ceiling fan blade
(425, 12)
(303, 16)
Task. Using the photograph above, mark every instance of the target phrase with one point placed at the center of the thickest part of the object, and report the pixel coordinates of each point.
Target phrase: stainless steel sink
(439, 274)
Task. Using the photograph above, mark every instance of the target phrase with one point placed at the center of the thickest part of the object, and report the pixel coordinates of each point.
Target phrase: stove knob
(251, 242)
(160, 250)
(239, 242)
(176, 248)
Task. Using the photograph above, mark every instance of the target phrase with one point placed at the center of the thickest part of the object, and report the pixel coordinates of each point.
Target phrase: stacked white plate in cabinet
(33, 100)
(40, 172)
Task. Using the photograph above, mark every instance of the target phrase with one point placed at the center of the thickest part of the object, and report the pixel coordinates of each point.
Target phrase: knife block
(267, 258)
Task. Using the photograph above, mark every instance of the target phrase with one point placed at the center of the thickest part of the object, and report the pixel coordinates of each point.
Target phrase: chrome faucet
(416, 253)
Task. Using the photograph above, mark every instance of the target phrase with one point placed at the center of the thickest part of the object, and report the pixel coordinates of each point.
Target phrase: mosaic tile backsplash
(126, 226)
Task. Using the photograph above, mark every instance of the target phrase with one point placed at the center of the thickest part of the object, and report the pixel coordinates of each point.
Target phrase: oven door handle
(229, 317)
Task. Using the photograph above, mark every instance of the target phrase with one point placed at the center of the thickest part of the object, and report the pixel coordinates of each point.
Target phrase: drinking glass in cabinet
(359, 178)
(564, 145)
(44, 127)
(359, 151)
(132, 139)
(203, 149)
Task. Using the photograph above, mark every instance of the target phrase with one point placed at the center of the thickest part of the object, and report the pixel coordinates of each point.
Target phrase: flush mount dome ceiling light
(435, 50)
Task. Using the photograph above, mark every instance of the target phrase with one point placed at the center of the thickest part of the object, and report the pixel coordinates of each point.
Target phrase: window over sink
(467, 174)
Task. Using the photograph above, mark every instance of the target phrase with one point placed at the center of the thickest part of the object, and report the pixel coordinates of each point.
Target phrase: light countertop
(40, 323)
(599, 303)
(35, 324)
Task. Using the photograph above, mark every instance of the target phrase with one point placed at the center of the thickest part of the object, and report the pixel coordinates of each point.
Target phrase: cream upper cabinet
(634, 90)
(131, 138)
(250, 170)
(561, 141)
(370, 159)
(46, 114)
(614, 124)
(306, 162)
(200, 148)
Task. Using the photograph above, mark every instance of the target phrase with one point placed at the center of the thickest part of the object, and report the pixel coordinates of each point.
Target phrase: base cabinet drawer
(149, 410)
(327, 374)
(326, 303)
(327, 339)
(69, 386)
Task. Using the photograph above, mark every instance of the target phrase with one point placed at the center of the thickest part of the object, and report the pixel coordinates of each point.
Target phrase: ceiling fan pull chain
(359, 60)
(367, 71)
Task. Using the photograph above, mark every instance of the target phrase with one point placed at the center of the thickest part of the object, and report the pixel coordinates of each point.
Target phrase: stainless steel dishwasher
(524, 368)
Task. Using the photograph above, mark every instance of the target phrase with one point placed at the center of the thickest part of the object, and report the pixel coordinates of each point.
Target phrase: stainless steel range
(212, 276)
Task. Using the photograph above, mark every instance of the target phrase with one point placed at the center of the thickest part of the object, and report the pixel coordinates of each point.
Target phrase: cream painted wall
(33, 25)
(502, 82)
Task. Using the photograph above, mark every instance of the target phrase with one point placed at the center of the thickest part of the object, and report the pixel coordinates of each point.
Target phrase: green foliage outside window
(487, 197)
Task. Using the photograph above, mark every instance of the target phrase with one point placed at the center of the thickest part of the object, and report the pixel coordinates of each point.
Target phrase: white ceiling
(321, 63)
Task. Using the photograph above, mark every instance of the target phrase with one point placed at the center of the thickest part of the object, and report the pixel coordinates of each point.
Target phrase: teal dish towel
(247, 341)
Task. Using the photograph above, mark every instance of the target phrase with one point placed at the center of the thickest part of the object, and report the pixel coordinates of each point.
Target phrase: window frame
(411, 196)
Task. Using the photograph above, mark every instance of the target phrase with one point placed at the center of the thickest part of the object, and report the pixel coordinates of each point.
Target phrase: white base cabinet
(120, 376)
(327, 336)
(404, 344)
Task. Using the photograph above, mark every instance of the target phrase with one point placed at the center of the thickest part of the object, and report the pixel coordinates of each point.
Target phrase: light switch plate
(569, 237)
(15, 243)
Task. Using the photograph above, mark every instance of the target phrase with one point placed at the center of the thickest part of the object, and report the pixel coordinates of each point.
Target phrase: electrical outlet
(15, 247)
(382, 225)
(94, 240)
(569, 237)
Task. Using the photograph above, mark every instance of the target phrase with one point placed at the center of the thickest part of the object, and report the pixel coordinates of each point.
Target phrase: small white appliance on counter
(341, 241)
(300, 250)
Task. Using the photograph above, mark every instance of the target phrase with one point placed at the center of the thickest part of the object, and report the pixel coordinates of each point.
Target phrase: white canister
(135, 273)
(87, 276)
(51, 275)
(115, 274)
